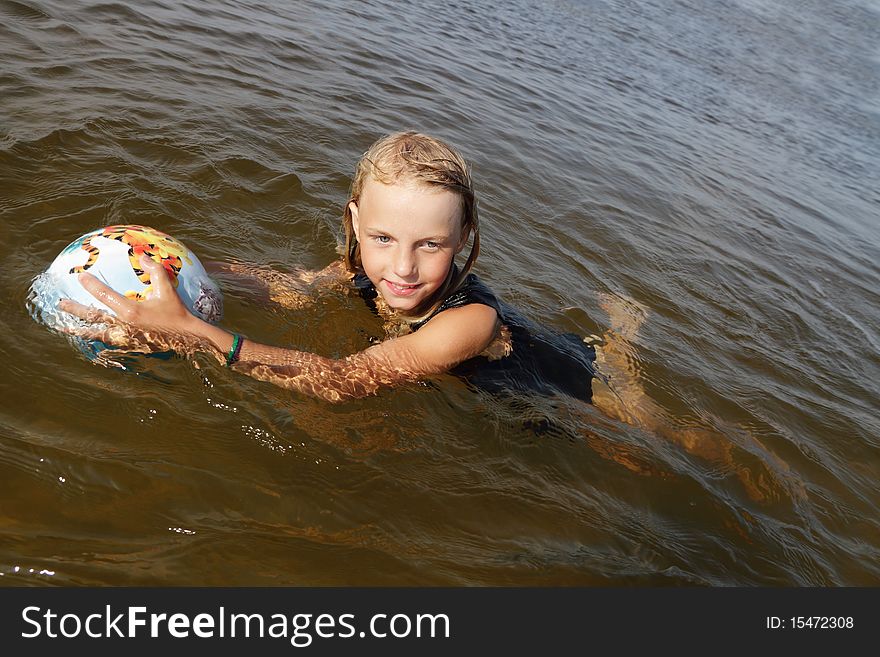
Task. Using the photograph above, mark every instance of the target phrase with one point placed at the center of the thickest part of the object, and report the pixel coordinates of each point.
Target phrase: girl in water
(412, 209)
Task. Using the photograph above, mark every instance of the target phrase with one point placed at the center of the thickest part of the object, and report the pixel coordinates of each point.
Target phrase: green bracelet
(232, 356)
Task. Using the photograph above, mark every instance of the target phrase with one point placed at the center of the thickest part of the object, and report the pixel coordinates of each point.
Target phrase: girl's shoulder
(471, 291)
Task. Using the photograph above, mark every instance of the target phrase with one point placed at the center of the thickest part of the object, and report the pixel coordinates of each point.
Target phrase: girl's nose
(404, 264)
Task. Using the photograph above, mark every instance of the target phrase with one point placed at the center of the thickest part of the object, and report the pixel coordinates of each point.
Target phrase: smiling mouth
(401, 288)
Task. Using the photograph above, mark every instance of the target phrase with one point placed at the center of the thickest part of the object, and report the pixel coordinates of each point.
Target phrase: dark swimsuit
(542, 361)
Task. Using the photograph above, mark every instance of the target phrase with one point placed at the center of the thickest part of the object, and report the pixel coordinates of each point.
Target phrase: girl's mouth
(401, 290)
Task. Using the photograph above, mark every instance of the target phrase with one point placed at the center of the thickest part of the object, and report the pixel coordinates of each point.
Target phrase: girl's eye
(433, 246)
(382, 239)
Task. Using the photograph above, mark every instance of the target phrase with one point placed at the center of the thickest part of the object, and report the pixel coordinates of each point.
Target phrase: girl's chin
(406, 306)
(401, 306)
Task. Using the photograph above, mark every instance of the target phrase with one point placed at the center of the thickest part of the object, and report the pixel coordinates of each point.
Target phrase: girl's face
(409, 235)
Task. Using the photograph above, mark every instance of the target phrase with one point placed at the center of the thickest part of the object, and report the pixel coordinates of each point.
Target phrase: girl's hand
(159, 323)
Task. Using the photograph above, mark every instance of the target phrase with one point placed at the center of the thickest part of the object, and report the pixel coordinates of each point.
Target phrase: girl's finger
(87, 313)
(160, 279)
(115, 334)
(105, 294)
(87, 333)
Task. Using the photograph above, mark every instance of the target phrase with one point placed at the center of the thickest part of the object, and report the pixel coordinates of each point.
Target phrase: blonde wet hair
(412, 157)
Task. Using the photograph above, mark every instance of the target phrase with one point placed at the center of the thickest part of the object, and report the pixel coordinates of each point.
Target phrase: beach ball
(113, 254)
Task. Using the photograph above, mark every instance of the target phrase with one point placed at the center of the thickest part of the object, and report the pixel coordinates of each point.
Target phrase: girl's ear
(355, 220)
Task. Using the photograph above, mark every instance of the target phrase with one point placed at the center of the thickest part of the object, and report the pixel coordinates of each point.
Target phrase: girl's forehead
(411, 198)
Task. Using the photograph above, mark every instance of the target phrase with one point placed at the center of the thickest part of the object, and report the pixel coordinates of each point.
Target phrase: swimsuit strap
(472, 290)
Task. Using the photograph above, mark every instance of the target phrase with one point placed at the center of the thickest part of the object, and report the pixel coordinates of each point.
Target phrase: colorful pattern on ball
(140, 240)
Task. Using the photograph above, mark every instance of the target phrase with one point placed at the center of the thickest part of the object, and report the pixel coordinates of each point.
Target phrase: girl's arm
(162, 322)
(290, 290)
(450, 338)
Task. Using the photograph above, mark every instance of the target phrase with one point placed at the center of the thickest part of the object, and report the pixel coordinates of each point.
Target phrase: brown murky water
(716, 162)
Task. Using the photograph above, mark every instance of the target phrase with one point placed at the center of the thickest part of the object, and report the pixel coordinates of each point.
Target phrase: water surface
(718, 163)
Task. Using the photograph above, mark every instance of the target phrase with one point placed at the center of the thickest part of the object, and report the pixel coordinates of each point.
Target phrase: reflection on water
(716, 163)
